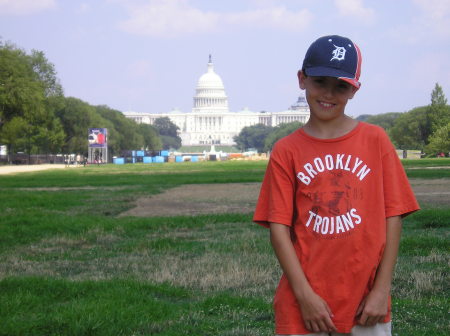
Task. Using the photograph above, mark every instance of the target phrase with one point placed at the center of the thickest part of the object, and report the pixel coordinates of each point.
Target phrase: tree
(77, 117)
(385, 120)
(124, 134)
(13, 134)
(20, 93)
(46, 74)
(439, 112)
(169, 142)
(252, 137)
(439, 141)
(437, 96)
(152, 140)
(279, 132)
(49, 137)
(411, 129)
(169, 133)
(414, 129)
(165, 126)
(363, 117)
(23, 97)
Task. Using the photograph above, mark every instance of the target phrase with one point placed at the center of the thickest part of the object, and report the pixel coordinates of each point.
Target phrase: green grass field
(70, 266)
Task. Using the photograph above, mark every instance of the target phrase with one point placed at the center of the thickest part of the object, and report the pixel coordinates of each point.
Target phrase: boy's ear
(301, 79)
(354, 90)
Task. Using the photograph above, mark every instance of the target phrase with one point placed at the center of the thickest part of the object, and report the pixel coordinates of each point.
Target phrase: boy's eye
(344, 87)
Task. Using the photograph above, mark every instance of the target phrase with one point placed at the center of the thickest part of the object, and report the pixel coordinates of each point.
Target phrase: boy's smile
(326, 96)
(326, 105)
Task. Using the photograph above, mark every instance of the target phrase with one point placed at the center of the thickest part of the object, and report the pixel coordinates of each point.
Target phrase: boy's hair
(334, 56)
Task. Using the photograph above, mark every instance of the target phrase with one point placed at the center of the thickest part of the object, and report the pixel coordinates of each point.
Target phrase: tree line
(425, 128)
(262, 137)
(36, 117)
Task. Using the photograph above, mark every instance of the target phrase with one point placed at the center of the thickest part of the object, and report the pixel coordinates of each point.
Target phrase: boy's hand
(316, 314)
(373, 308)
(315, 311)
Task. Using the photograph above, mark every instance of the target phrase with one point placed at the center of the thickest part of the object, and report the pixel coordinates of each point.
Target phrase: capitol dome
(210, 93)
(210, 80)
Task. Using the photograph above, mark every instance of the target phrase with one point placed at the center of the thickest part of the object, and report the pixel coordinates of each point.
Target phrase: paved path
(12, 169)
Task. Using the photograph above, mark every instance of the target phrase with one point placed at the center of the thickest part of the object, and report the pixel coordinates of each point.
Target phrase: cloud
(178, 17)
(435, 16)
(25, 7)
(167, 18)
(430, 24)
(355, 9)
(434, 9)
(275, 17)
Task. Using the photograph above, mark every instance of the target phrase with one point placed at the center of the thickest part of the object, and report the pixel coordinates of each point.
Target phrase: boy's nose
(328, 91)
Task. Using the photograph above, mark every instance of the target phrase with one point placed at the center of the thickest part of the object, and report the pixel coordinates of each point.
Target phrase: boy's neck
(330, 129)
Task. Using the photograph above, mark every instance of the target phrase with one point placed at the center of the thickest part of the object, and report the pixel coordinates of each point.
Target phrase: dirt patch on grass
(13, 169)
(432, 191)
(74, 188)
(195, 199)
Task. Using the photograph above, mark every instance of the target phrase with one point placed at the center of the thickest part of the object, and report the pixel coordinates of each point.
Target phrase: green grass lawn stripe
(70, 266)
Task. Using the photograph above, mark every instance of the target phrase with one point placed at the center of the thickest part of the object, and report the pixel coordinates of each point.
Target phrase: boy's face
(326, 96)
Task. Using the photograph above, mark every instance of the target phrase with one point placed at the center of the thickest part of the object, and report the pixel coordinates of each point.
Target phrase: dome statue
(210, 92)
(210, 80)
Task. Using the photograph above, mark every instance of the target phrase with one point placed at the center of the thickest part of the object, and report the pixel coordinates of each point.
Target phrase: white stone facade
(211, 122)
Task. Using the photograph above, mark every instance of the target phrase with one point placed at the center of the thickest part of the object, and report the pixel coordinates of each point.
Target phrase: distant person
(333, 197)
(97, 158)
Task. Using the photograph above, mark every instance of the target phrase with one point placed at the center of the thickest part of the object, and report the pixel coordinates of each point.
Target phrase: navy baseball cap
(334, 56)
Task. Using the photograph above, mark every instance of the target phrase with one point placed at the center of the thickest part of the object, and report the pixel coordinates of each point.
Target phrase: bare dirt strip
(198, 199)
(13, 169)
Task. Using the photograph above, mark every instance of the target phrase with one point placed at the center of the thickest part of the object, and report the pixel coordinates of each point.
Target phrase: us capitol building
(211, 122)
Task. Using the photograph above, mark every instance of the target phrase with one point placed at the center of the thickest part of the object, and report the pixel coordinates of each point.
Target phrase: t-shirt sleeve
(276, 199)
(399, 197)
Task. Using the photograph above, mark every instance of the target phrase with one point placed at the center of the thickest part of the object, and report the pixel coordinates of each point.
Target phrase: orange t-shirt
(335, 194)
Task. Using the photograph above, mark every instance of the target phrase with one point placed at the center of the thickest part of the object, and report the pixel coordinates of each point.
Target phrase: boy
(333, 197)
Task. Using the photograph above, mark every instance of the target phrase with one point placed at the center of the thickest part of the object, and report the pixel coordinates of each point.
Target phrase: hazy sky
(147, 55)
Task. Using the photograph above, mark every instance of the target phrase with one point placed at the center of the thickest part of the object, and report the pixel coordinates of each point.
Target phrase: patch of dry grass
(422, 276)
(214, 258)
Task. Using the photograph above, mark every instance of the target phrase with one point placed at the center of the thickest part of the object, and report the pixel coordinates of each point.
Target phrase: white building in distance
(211, 122)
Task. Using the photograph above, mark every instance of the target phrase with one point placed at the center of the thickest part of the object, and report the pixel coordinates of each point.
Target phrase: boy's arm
(315, 311)
(374, 307)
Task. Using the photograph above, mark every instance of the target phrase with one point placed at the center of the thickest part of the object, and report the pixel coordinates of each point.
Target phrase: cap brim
(331, 72)
(351, 81)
